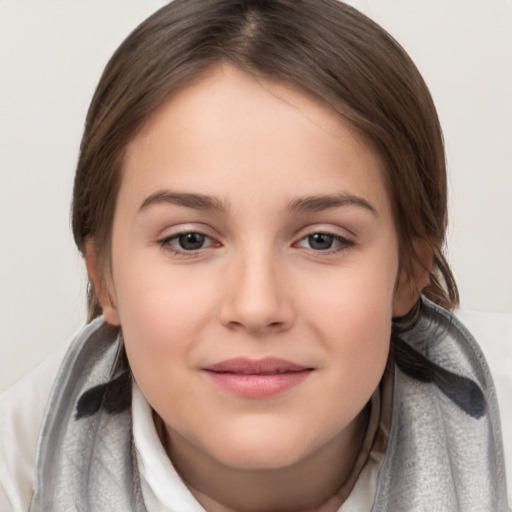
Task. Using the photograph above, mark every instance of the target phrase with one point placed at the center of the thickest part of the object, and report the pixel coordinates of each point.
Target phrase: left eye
(323, 241)
(191, 241)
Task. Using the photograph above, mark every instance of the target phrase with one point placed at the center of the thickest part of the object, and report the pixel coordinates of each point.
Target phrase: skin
(257, 287)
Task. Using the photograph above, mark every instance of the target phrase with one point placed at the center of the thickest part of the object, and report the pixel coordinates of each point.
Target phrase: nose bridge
(257, 299)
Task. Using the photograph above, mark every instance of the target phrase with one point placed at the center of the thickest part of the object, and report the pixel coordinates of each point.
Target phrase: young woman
(260, 200)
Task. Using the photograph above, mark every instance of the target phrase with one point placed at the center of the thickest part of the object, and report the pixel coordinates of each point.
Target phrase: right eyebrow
(188, 200)
(317, 203)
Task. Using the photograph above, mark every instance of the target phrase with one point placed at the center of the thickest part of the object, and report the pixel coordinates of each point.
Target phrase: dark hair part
(326, 48)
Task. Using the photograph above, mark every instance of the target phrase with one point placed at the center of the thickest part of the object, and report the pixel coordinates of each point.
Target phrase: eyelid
(345, 242)
(164, 241)
(178, 235)
(327, 229)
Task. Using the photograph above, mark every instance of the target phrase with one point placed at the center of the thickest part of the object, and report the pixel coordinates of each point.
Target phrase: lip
(257, 378)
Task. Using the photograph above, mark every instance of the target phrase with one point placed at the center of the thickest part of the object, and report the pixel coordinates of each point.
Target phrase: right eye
(186, 242)
(324, 242)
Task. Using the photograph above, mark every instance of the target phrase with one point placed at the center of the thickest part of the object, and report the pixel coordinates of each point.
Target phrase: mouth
(257, 378)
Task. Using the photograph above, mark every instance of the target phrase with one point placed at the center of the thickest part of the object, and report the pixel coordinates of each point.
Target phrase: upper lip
(247, 366)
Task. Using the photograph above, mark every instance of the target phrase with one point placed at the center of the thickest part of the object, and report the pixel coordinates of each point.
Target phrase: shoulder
(445, 429)
(22, 409)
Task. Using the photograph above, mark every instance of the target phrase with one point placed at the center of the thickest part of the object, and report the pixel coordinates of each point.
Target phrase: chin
(262, 451)
(262, 459)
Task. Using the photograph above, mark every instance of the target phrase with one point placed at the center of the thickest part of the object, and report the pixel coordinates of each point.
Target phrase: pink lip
(257, 378)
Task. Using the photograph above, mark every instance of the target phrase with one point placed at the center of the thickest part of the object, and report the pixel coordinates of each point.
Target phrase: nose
(256, 297)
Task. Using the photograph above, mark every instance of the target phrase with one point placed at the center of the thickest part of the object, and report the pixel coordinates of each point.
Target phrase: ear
(410, 284)
(101, 283)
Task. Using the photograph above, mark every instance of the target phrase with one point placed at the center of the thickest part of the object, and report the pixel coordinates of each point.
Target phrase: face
(254, 271)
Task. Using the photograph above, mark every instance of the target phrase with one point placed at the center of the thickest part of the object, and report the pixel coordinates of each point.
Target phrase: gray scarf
(444, 451)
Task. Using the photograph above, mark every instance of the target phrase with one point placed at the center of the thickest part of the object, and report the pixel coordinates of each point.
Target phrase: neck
(320, 482)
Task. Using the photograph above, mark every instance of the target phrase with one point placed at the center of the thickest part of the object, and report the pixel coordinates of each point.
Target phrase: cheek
(359, 353)
(356, 322)
(361, 342)
(358, 296)
(154, 296)
(161, 336)
(161, 315)
(367, 351)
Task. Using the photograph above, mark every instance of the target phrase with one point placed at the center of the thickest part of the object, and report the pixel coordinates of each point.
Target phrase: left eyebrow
(325, 202)
(188, 200)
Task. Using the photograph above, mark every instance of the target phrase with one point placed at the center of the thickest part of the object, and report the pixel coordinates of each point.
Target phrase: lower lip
(258, 386)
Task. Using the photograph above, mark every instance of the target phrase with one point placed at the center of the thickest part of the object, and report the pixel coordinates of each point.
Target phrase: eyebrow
(305, 204)
(188, 200)
(317, 203)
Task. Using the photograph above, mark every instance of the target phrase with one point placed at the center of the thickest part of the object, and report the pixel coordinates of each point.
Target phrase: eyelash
(343, 244)
(166, 243)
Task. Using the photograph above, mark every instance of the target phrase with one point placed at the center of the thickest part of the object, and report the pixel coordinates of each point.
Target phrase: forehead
(228, 130)
(209, 92)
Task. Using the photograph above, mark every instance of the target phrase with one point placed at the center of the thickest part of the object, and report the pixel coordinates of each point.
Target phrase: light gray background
(51, 57)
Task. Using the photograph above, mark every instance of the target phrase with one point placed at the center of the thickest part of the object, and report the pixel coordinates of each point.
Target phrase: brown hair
(326, 48)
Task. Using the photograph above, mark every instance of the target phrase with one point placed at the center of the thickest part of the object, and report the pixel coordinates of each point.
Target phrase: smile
(260, 378)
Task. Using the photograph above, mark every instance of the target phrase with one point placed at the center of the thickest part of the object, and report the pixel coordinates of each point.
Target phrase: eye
(189, 241)
(324, 242)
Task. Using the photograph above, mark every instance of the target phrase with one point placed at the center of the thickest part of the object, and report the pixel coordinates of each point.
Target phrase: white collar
(162, 488)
